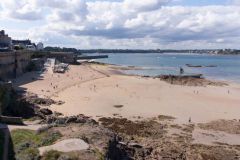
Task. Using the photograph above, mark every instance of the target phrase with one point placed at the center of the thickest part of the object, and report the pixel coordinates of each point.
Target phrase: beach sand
(98, 91)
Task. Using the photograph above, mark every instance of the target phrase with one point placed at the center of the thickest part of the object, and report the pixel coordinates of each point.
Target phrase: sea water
(153, 64)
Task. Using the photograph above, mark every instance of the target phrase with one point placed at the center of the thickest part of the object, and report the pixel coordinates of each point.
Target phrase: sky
(124, 24)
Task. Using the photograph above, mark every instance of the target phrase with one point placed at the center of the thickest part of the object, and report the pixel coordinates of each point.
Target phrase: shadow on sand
(26, 78)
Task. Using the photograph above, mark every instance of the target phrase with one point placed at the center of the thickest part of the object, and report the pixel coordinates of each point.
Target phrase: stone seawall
(5, 95)
(13, 64)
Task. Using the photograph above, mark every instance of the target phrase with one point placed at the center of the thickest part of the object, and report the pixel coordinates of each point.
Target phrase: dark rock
(71, 119)
(57, 113)
(35, 100)
(119, 150)
(45, 111)
(80, 120)
(92, 121)
(50, 119)
(59, 102)
(60, 120)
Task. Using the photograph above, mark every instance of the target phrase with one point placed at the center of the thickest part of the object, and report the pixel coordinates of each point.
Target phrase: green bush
(20, 136)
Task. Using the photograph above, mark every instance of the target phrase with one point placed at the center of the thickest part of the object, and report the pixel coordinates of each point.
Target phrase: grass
(21, 135)
(26, 142)
(43, 139)
(51, 155)
(1, 143)
(99, 155)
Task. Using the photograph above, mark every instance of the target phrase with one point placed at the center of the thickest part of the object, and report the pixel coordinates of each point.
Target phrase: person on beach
(190, 120)
(181, 70)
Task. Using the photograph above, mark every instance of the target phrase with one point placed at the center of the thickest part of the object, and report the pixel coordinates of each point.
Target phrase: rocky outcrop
(189, 80)
(35, 100)
(119, 150)
(60, 120)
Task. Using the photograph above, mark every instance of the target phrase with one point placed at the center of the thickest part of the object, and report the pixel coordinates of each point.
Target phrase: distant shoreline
(192, 51)
(211, 52)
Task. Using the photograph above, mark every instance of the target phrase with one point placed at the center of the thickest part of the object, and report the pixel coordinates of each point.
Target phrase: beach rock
(59, 102)
(55, 119)
(92, 121)
(71, 119)
(50, 119)
(61, 120)
(57, 113)
(45, 111)
(119, 150)
(35, 100)
(42, 101)
(80, 120)
(185, 80)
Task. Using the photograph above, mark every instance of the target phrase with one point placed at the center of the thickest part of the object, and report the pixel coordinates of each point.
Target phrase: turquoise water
(228, 67)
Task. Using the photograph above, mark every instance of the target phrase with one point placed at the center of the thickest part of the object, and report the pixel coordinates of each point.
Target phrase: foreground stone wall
(13, 64)
(11, 120)
(5, 95)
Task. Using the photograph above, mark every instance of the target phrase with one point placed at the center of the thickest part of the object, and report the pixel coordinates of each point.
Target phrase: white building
(31, 47)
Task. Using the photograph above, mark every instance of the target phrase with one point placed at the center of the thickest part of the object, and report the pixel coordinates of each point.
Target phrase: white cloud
(236, 2)
(23, 10)
(139, 6)
(128, 23)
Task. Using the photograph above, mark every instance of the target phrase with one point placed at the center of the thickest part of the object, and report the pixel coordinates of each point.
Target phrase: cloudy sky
(143, 24)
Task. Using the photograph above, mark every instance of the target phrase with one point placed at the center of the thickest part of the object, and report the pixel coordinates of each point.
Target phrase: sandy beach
(100, 91)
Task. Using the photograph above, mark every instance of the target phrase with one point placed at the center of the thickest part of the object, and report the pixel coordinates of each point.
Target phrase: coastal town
(57, 104)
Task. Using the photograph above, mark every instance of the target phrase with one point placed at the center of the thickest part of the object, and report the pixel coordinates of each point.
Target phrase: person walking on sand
(190, 120)
(181, 71)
